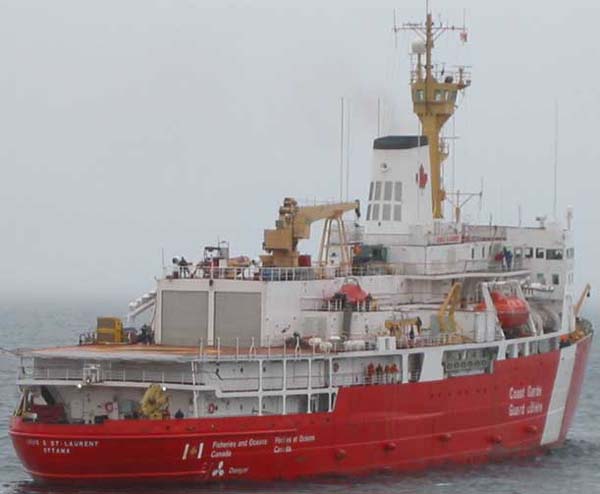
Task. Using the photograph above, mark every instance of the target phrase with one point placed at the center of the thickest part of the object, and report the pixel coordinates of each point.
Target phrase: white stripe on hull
(560, 393)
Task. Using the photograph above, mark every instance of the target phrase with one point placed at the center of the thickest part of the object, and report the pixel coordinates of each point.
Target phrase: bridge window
(554, 254)
(539, 253)
(437, 95)
(528, 252)
(369, 213)
(570, 253)
(371, 191)
(419, 95)
(555, 279)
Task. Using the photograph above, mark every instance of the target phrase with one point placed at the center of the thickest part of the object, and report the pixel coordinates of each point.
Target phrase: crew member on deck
(184, 271)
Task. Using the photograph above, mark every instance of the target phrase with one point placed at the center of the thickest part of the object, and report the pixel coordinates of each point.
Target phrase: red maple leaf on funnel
(422, 177)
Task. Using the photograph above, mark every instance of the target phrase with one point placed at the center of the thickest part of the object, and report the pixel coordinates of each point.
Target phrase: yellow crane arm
(294, 224)
(450, 303)
(306, 215)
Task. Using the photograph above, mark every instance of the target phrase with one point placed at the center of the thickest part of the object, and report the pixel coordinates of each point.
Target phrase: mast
(434, 99)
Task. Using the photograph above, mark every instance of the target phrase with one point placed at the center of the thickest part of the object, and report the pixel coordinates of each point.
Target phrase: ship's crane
(446, 312)
(294, 224)
(586, 293)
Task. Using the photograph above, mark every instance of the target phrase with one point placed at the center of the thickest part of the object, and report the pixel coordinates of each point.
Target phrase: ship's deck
(155, 352)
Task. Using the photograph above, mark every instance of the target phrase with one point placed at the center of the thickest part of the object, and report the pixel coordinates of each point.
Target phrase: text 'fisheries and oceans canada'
(224, 449)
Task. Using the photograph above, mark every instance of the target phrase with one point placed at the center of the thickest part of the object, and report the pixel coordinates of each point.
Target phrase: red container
(304, 261)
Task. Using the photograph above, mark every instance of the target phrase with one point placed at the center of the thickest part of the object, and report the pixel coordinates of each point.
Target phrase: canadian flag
(422, 177)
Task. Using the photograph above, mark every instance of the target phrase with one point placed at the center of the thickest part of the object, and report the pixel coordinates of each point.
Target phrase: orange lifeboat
(512, 310)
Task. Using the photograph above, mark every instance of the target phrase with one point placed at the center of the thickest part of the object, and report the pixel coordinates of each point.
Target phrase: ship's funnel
(400, 191)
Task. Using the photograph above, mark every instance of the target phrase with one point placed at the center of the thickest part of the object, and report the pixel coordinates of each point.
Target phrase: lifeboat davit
(513, 311)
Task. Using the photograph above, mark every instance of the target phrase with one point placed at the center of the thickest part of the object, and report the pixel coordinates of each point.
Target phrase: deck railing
(210, 379)
(331, 272)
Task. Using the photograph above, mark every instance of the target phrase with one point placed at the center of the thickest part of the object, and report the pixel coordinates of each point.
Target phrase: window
(541, 278)
(483, 252)
(570, 253)
(473, 253)
(528, 252)
(387, 212)
(555, 279)
(518, 252)
(371, 191)
(377, 191)
(397, 212)
(453, 96)
(437, 95)
(539, 253)
(369, 212)
(398, 191)
(387, 191)
(554, 254)
(419, 95)
(375, 215)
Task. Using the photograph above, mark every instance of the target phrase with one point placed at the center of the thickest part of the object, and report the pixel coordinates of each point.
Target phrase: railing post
(252, 349)
(284, 387)
(237, 348)
(195, 391)
(260, 386)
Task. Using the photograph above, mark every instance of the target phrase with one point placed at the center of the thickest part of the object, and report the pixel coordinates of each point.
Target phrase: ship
(410, 341)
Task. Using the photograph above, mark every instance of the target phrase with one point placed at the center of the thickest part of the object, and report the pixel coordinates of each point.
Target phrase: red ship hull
(406, 427)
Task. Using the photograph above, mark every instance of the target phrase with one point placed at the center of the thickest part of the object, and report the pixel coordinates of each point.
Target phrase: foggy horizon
(133, 127)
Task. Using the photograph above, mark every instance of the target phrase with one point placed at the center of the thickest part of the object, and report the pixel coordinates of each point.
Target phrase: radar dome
(418, 47)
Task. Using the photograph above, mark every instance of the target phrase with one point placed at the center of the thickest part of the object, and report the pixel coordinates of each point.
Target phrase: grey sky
(131, 126)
